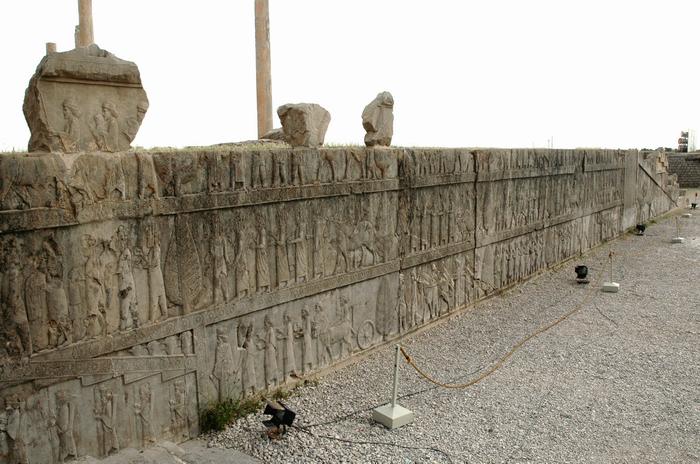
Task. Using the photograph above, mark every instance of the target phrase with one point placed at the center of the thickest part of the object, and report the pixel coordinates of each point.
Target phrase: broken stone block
(378, 120)
(304, 124)
(274, 134)
(85, 99)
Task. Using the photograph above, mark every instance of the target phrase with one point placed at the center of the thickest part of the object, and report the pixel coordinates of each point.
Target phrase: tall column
(85, 35)
(263, 77)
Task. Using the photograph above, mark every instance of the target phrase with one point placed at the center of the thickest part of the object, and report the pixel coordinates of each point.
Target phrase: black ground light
(581, 274)
(641, 228)
(282, 417)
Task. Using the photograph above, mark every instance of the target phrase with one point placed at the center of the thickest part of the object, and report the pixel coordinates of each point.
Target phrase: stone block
(378, 120)
(304, 124)
(85, 99)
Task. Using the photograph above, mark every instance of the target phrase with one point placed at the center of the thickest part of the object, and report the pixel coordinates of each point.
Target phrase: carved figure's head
(109, 110)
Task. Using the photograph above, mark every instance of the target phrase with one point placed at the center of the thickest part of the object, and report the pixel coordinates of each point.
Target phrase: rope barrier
(501, 361)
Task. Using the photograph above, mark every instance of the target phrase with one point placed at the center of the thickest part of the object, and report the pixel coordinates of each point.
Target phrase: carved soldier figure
(226, 374)
(340, 242)
(150, 256)
(213, 172)
(186, 343)
(297, 176)
(221, 255)
(445, 289)
(290, 365)
(16, 429)
(402, 306)
(452, 206)
(436, 217)
(57, 301)
(125, 280)
(497, 266)
(459, 281)
(70, 135)
(300, 251)
(249, 378)
(35, 289)
(259, 166)
(430, 292)
(13, 296)
(178, 411)
(105, 415)
(359, 156)
(262, 265)
(308, 351)
(143, 408)
(425, 225)
(77, 310)
(281, 257)
(269, 345)
(279, 169)
(94, 287)
(172, 345)
(241, 263)
(65, 424)
(318, 248)
(415, 229)
(413, 307)
(106, 128)
(236, 174)
(134, 123)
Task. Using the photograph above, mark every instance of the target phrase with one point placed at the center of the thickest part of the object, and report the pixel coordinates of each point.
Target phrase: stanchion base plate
(611, 287)
(392, 417)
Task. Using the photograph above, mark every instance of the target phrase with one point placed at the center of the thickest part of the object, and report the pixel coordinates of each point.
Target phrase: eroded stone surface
(274, 134)
(304, 124)
(85, 99)
(378, 120)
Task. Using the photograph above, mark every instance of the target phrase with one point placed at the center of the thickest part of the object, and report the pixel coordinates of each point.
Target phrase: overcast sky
(509, 73)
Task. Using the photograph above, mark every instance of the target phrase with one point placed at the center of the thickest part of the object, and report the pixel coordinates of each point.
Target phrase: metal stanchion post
(611, 286)
(393, 415)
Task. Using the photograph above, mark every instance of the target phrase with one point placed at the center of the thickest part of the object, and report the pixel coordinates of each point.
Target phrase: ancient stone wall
(137, 288)
(687, 167)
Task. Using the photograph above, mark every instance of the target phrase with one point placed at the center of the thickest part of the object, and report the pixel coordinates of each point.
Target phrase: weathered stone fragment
(85, 99)
(378, 120)
(304, 124)
(274, 134)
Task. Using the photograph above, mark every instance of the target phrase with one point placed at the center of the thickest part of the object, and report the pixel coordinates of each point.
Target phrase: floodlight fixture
(581, 274)
(282, 417)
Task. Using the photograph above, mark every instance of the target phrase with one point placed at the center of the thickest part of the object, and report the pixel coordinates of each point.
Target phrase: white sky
(507, 73)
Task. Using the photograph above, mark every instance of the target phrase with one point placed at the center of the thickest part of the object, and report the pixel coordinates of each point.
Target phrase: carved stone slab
(85, 99)
(137, 288)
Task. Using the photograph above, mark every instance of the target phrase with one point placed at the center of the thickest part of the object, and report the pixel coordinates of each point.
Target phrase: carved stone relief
(200, 281)
(66, 116)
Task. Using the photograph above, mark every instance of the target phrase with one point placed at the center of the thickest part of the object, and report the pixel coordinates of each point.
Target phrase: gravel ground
(618, 381)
